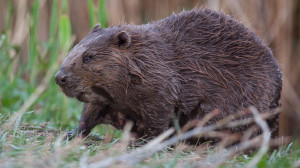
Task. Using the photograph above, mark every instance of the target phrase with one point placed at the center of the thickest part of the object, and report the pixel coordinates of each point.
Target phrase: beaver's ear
(96, 28)
(123, 39)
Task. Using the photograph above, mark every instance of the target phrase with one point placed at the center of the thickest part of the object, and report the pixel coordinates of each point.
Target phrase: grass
(42, 146)
(42, 113)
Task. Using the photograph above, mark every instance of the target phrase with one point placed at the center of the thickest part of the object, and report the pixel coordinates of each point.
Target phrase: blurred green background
(28, 62)
(37, 34)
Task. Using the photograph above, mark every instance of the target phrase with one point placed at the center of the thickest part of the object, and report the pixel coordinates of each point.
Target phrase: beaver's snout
(61, 78)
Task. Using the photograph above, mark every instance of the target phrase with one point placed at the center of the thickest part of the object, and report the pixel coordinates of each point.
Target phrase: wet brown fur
(183, 66)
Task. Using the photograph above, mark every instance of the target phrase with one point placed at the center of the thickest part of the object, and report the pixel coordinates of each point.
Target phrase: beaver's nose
(60, 78)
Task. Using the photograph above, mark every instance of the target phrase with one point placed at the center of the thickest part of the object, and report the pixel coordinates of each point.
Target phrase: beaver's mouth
(80, 94)
(82, 97)
(69, 92)
(93, 95)
(101, 92)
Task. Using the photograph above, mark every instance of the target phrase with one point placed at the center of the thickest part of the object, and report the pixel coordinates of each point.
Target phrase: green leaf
(17, 124)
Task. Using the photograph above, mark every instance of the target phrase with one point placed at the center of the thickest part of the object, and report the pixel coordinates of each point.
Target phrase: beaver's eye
(86, 59)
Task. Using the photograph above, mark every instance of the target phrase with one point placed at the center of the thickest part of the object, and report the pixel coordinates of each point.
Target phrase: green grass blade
(9, 15)
(33, 51)
(64, 31)
(102, 14)
(91, 13)
(17, 124)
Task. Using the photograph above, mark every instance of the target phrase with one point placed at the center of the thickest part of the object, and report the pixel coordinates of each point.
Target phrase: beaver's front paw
(71, 134)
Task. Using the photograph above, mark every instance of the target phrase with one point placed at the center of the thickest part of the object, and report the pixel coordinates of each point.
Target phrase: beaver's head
(96, 66)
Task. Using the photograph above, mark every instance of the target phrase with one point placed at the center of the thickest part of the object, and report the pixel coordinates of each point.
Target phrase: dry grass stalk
(201, 123)
(158, 144)
(265, 137)
(264, 140)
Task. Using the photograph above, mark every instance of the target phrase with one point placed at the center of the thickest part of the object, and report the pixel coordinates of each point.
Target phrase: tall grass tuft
(97, 16)
(21, 77)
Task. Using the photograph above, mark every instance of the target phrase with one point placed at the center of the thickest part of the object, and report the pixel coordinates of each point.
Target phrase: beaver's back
(221, 64)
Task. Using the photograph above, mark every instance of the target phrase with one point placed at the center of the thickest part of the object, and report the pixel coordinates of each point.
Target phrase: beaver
(181, 67)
